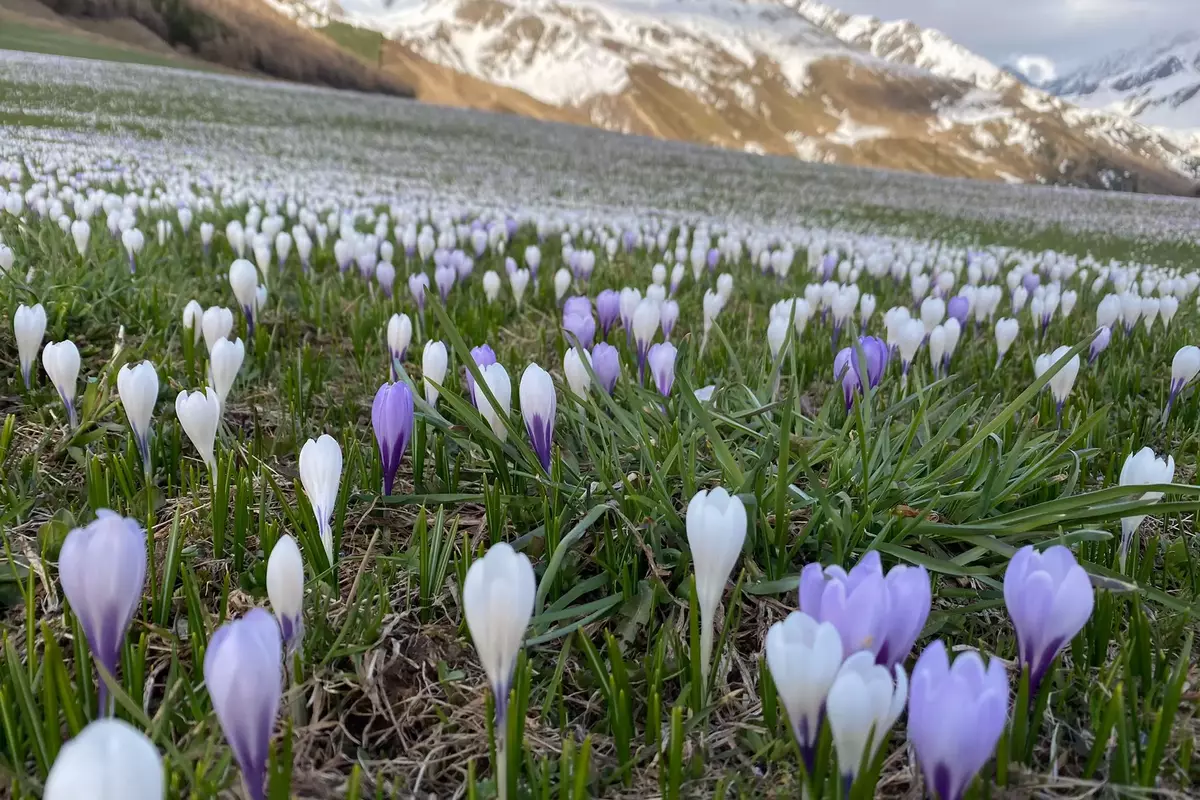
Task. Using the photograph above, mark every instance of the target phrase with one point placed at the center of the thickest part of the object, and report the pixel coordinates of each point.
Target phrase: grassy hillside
(363, 43)
(243, 35)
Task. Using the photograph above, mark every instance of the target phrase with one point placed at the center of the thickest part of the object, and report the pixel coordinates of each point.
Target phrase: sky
(1068, 32)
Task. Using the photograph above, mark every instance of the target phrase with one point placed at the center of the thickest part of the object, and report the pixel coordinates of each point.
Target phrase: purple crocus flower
(510, 265)
(608, 307)
(392, 419)
(713, 259)
(661, 358)
(909, 602)
(846, 366)
(606, 363)
(441, 258)
(445, 276)
(956, 713)
(629, 238)
(538, 407)
(1031, 281)
(1100, 343)
(580, 327)
(483, 356)
(959, 307)
(418, 285)
(577, 304)
(855, 602)
(668, 317)
(828, 265)
(102, 568)
(244, 673)
(1050, 598)
(510, 227)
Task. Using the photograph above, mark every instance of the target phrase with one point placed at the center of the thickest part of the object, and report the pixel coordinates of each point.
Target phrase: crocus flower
(608, 307)
(81, 232)
(399, 336)
(562, 282)
(1139, 469)
(538, 406)
(856, 603)
(937, 348)
(444, 277)
(577, 304)
(669, 315)
(1184, 368)
(198, 414)
(498, 602)
(418, 285)
(863, 704)
(138, 390)
(662, 366)
(385, 275)
(498, 382)
(580, 329)
(1064, 380)
(958, 308)
(109, 760)
(912, 331)
(133, 240)
(216, 324)
(61, 360)
(321, 475)
(435, 363)
(578, 378)
(677, 274)
(285, 589)
(483, 355)
(224, 365)
(1049, 597)
(1099, 343)
(777, 331)
(1006, 333)
(804, 656)
(29, 328)
(193, 320)
(102, 568)
(243, 277)
(956, 713)
(716, 531)
(491, 286)
(629, 300)
(392, 420)
(606, 363)
(243, 670)
(646, 320)
(518, 281)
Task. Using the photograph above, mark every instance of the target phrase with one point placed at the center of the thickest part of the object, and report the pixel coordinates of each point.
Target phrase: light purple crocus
(855, 602)
(539, 407)
(392, 420)
(606, 363)
(483, 356)
(577, 304)
(418, 285)
(661, 358)
(846, 367)
(385, 274)
(828, 265)
(956, 713)
(608, 307)
(580, 328)
(959, 307)
(713, 259)
(1050, 598)
(244, 673)
(668, 317)
(909, 602)
(445, 276)
(629, 238)
(1100, 343)
(1031, 281)
(102, 568)
(510, 265)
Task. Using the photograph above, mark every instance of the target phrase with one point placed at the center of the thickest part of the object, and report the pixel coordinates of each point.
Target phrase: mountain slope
(792, 77)
(1156, 84)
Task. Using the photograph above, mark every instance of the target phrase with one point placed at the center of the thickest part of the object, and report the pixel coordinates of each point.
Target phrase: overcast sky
(1070, 32)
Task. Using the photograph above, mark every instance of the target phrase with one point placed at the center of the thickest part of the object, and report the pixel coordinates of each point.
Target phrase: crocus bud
(1168, 306)
(716, 531)
(1100, 344)
(29, 328)
(628, 302)
(193, 320)
(385, 276)
(956, 714)
(677, 274)
(517, 281)
(578, 378)
(133, 241)
(399, 335)
(1049, 597)
(658, 274)
(435, 363)
(102, 568)
(392, 420)
(777, 332)
(483, 355)
(608, 308)
(912, 331)
(243, 670)
(646, 319)
(724, 286)
(1063, 380)
(606, 363)
(61, 361)
(418, 285)
(243, 278)
(498, 602)
(444, 277)
(198, 414)
(562, 282)
(321, 475)
(81, 232)
(866, 309)
(804, 657)
(1006, 333)
(1140, 469)
(138, 389)
(937, 347)
(217, 324)
(662, 366)
(285, 589)
(863, 705)
(109, 760)
(491, 285)
(580, 328)
(1184, 368)
(223, 367)
(538, 407)
(498, 382)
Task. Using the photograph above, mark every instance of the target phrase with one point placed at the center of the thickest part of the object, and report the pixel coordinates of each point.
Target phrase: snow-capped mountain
(1157, 84)
(793, 77)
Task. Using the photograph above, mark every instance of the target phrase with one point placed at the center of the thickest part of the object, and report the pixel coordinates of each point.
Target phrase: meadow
(485, 458)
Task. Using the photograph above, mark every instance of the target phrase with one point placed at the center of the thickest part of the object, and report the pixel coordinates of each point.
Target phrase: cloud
(1038, 69)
